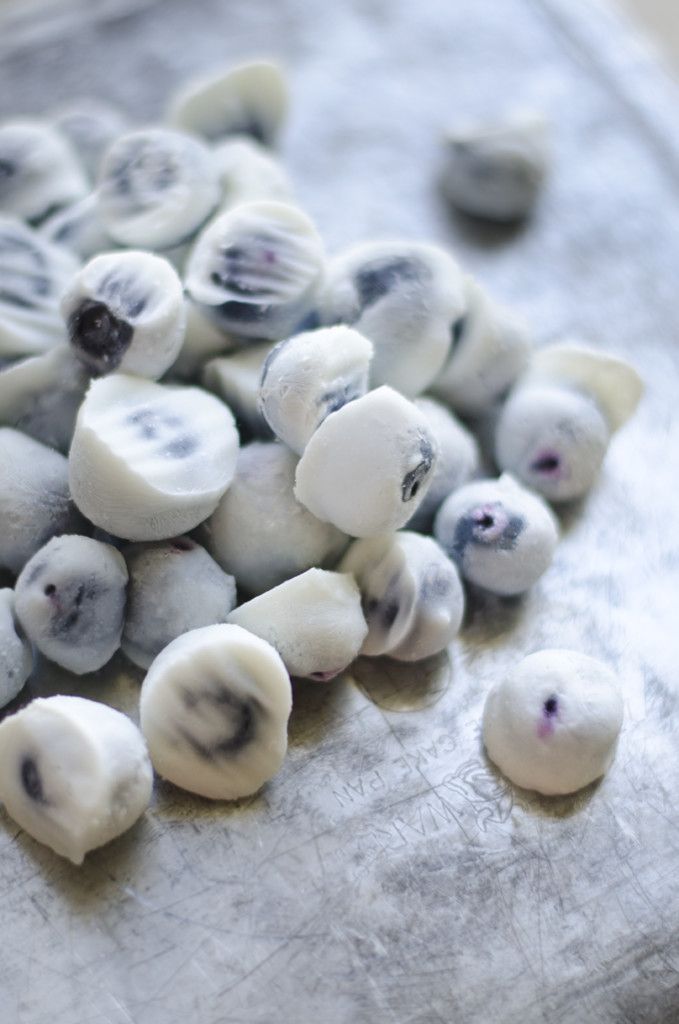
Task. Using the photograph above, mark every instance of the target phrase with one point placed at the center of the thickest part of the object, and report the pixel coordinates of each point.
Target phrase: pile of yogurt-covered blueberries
(195, 404)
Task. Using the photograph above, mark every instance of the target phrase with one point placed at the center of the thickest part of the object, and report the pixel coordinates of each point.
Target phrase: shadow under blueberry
(316, 707)
(173, 804)
(489, 617)
(554, 807)
(487, 234)
(404, 685)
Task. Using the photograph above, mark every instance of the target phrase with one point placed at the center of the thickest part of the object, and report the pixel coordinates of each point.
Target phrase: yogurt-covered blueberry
(16, 656)
(39, 171)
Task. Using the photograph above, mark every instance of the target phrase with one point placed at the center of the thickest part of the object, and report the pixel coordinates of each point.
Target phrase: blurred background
(659, 20)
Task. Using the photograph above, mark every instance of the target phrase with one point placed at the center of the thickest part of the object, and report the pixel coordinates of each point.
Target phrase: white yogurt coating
(16, 655)
(70, 599)
(35, 503)
(259, 532)
(490, 349)
(314, 621)
(255, 270)
(214, 710)
(310, 375)
(156, 188)
(150, 461)
(203, 340)
(235, 377)
(248, 171)
(248, 99)
(74, 774)
(78, 228)
(500, 535)
(368, 466)
(175, 586)
(406, 298)
(34, 273)
(553, 722)
(125, 311)
(411, 594)
(495, 170)
(458, 461)
(43, 170)
(41, 395)
(90, 126)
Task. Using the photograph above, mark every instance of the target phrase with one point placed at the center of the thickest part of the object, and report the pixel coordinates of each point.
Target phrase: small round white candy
(70, 599)
(501, 537)
(495, 170)
(255, 269)
(314, 621)
(40, 396)
(259, 532)
(40, 171)
(309, 376)
(406, 298)
(249, 99)
(35, 503)
(368, 466)
(412, 597)
(74, 773)
(214, 709)
(553, 722)
(553, 439)
(247, 171)
(34, 273)
(16, 656)
(490, 350)
(155, 188)
(90, 126)
(235, 378)
(125, 311)
(458, 460)
(78, 227)
(150, 461)
(174, 587)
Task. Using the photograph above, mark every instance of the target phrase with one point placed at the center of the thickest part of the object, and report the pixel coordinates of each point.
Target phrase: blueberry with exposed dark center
(31, 780)
(413, 480)
(376, 280)
(100, 337)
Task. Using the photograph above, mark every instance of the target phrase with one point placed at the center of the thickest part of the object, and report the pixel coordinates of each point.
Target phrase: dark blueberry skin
(384, 610)
(489, 525)
(31, 780)
(239, 717)
(142, 170)
(377, 279)
(550, 707)
(100, 338)
(31, 281)
(410, 484)
(331, 401)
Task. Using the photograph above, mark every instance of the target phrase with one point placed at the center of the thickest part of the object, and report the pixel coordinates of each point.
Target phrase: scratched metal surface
(387, 874)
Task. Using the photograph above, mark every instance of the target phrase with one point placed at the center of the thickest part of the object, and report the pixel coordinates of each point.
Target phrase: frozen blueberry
(313, 620)
(214, 709)
(501, 537)
(411, 593)
(70, 599)
(404, 297)
(175, 586)
(255, 269)
(309, 376)
(90, 126)
(16, 656)
(33, 274)
(74, 773)
(249, 99)
(489, 350)
(156, 188)
(39, 172)
(496, 170)
(125, 311)
(458, 461)
(150, 461)
(235, 378)
(35, 503)
(40, 396)
(259, 531)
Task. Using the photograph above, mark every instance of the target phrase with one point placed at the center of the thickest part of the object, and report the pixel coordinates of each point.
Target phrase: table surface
(388, 874)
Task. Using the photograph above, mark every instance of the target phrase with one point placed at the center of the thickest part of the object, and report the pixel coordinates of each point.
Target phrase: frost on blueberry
(156, 188)
(500, 536)
(255, 269)
(411, 595)
(74, 774)
(70, 599)
(125, 311)
(214, 709)
(405, 298)
(175, 586)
